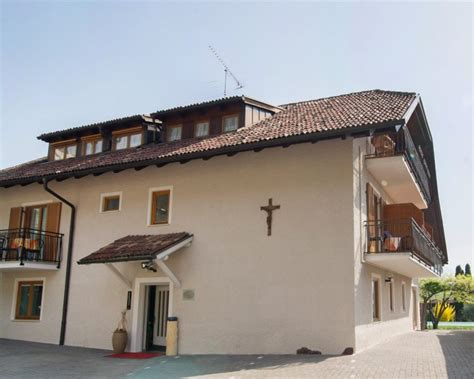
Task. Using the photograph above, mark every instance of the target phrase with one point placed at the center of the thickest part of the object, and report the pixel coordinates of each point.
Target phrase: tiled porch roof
(135, 248)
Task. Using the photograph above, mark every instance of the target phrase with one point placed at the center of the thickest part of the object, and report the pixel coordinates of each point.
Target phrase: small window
(230, 123)
(121, 142)
(127, 139)
(375, 299)
(110, 202)
(29, 299)
(64, 151)
(59, 153)
(390, 297)
(174, 133)
(160, 207)
(201, 129)
(135, 140)
(403, 297)
(93, 146)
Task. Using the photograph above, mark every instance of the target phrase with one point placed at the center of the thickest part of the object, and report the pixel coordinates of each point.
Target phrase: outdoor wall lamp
(149, 266)
(389, 278)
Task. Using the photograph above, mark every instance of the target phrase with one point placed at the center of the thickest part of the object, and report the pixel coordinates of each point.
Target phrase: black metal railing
(30, 245)
(403, 236)
(401, 143)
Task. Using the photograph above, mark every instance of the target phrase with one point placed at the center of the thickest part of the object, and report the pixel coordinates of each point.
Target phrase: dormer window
(64, 151)
(175, 132)
(92, 145)
(128, 138)
(201, 129)
(230, 123)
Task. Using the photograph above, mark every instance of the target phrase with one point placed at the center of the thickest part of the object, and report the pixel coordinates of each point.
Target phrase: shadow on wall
(458, 351)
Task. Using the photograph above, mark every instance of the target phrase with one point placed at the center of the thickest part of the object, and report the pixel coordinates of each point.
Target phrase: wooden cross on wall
(269, 209)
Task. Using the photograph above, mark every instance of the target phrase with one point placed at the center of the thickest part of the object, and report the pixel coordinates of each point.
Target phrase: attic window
(230, 123)
(128, 138)
(64, 151)
(175, 132)
(201, 129)
(92, 145)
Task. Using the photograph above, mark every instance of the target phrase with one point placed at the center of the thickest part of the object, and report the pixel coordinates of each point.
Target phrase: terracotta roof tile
(335, 114)
(95, 126)
(135, 248)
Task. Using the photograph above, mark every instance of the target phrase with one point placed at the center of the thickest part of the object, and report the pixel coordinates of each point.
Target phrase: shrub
(448, 315)
(468, 313)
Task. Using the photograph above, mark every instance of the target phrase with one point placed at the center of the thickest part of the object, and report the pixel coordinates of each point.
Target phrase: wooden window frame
(208, 122)
(103, 199)
(378, 306)
(31, 283)
(127, 133)
(94, 139)
(27, 214)
(229, 116)
(65, 144)
(152, 198)
(391, 295)
(168, 132)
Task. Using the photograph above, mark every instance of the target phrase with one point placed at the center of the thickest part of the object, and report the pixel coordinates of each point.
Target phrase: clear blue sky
(66, 64)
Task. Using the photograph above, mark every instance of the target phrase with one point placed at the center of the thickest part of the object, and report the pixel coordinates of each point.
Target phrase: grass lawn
(454, 327)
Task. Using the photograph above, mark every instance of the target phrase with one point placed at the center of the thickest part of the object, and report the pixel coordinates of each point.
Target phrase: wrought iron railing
(401, 143)
(30, 245)
(403, 236)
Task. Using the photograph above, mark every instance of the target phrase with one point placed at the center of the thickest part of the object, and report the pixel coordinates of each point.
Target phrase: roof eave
(230, 150)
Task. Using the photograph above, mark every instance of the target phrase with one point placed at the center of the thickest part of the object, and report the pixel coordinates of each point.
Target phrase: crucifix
(269, 209)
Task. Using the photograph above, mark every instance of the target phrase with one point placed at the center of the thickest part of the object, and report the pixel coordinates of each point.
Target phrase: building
(262, 228)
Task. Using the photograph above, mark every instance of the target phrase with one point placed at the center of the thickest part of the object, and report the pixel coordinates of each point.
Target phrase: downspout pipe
(72, 226)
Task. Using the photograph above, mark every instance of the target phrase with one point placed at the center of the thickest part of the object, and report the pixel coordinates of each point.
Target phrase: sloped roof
(135, 248)
(297, 122)
(94, 126)
(223, 100)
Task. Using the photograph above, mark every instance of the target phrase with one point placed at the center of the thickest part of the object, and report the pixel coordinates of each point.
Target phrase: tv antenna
(226, 72)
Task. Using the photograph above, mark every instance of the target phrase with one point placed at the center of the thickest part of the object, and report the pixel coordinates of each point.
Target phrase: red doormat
(142, 355)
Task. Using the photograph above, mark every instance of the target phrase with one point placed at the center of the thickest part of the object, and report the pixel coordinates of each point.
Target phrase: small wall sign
(188, 294)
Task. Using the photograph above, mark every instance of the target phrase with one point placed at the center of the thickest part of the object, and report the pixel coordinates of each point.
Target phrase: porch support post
(122, 277)
(162, 265)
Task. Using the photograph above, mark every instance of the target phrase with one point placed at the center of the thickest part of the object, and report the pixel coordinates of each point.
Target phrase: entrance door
(162, 296)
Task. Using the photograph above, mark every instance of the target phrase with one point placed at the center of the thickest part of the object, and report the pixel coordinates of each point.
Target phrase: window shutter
(15, 218)
(54, 217)
(52, 225)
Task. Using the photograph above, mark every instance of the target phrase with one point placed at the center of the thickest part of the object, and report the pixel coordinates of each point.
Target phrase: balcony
(403, 247)
(30, 249)
(395, 162)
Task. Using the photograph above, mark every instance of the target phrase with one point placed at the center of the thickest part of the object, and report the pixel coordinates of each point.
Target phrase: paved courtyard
(438, 354)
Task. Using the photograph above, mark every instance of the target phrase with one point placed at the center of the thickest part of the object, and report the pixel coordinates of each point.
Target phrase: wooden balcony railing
(30, 245)
(401, 143)
(403, 236)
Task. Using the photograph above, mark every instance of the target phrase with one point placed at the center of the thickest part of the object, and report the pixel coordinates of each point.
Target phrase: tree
(467, 269)
(445, 291)
(459, 270)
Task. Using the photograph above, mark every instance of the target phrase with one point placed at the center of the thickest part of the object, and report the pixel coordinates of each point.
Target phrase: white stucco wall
(253, 293)
(368, 332)
(47, 329)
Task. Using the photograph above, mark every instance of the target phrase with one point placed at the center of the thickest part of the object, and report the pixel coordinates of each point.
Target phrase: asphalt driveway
(430, 354)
